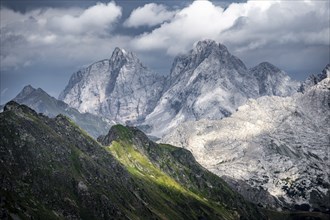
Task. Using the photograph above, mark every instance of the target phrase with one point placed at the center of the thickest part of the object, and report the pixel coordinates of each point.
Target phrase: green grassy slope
(175, 168)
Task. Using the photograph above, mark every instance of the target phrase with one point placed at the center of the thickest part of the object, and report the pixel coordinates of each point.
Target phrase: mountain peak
(326, 71)
(209, 51)
(208, 46)
(120, 88)
(273, 81)
(26, 91)
(121, 54)
(267, 67)
(205, 44)
(28, 88)
(118, 50)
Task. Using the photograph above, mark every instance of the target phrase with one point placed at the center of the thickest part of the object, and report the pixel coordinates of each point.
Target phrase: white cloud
(243, 26)
(39, 34)
(188, 25)
(97, 18)
(149, 15)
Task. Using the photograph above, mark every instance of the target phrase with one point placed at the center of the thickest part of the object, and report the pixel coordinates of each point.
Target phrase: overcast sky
(44, 42)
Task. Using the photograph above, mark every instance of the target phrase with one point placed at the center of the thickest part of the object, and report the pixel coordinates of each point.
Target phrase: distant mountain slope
(210, 83)
(276, 144)
(272, 81)
(49, 169)
(120, 88)
(41, 102)
(315, 79)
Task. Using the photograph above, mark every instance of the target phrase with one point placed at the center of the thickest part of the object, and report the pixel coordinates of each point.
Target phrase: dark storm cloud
(44, 42)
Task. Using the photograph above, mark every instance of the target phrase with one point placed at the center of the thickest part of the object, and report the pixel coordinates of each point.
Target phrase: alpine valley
(232, 142)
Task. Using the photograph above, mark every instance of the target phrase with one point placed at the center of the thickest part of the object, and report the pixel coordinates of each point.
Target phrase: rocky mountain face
(41, 102)
(210, 83)
(315, 79)
(272, 81)
(206, 83)
(273, 150)
(49, 169)
(120, 88)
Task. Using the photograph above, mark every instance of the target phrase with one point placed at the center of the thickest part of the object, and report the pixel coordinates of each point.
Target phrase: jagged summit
(273, 81)
(121, 54)
(121, 89)
(29, 92)
(206, 50)
(209, 46)
(266, 67)
(118, 50)
(326, 71)
(315, 79)
(25, 91)
(28, 89)
(204, 45)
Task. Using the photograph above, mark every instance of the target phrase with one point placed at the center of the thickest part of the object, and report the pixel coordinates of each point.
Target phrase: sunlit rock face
(276, 144)
(206, 83)
(120, 88)
(210, 83)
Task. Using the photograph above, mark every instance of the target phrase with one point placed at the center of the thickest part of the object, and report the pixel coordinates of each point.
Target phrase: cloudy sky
(44, 42)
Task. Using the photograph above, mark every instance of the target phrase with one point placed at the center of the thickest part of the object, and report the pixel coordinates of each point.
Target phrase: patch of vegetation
(168, 192)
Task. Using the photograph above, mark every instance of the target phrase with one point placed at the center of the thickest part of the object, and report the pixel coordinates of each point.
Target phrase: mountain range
(210, 83)
(277, 144)
(265, 134)
(206, 83)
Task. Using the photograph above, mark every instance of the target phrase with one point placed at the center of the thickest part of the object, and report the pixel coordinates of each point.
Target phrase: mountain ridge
(207, 82)
(42, 102)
